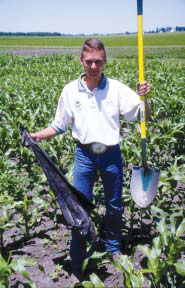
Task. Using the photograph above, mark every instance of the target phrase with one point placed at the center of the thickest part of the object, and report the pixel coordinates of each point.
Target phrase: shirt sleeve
(129, 102)
(63, 116)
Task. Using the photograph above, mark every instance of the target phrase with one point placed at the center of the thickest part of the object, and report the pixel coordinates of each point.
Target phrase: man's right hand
(46, 133)
(35, 137)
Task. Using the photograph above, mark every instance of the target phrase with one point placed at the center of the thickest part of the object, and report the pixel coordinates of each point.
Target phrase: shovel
(144, 180)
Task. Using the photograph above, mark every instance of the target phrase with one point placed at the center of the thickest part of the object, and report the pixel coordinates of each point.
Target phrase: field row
(163, 39)
(161, 52)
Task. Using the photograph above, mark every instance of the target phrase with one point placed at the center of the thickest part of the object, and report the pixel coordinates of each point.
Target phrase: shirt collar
(82, 87)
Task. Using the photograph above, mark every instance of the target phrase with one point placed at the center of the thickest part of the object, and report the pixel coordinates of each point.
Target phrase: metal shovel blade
(143, 186)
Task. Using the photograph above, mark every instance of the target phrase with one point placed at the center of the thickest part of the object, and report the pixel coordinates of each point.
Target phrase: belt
(95, 147)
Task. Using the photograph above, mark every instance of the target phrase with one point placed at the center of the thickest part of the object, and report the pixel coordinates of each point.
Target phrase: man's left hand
(143, 89)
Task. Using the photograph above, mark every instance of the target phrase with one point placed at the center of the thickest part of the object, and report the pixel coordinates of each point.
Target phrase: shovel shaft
(143, 146)
(141, 78)
(140, 41)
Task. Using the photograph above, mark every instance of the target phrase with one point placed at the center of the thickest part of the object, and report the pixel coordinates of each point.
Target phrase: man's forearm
(147, 109)
(46, 133)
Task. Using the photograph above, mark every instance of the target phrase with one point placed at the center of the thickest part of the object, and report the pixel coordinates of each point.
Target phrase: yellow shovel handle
(141, 64)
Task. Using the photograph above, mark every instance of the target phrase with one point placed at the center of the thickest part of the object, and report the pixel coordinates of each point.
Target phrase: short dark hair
(93, 43)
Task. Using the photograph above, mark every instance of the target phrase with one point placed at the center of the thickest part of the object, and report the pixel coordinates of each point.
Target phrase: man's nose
(93, 66)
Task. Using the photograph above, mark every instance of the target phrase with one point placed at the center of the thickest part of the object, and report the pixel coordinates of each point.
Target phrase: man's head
(93, 57)
(93, 44)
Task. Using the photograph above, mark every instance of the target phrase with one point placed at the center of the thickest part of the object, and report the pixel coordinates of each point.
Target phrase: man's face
(93, 62)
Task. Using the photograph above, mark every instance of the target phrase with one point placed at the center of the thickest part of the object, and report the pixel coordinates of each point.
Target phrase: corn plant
(6, 221)
(9, 267)
(97, 258)
(132, 278)
(30, 212)
(54, 205)
(165, 252)
(24, 208)
(95, 282)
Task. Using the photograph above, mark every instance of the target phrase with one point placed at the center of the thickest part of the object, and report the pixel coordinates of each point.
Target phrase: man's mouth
(94, 72)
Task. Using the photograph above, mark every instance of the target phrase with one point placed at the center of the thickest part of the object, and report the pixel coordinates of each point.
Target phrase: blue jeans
(109, 164)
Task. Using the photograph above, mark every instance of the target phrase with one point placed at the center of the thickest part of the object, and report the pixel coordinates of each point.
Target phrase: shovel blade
(143, 186)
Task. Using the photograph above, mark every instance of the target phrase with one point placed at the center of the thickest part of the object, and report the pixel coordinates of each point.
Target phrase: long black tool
(73, 204)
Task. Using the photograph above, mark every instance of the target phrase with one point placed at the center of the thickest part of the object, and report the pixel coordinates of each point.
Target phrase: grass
(164, 45)
(170, 52)
(163, 39)
(162, 52)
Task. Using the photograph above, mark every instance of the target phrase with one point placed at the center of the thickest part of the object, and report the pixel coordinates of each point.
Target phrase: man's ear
(81, 59)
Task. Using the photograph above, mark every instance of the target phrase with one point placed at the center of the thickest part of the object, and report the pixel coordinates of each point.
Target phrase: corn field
(29, 89)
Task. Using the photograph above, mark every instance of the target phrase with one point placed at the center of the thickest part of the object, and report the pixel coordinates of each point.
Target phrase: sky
(88, 17)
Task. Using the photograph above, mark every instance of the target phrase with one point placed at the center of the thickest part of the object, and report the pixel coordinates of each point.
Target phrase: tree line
(50, 34)
(30, 34)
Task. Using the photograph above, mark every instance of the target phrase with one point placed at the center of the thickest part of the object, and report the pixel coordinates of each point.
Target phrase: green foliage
(97, 258)
(166, 249)
(6, 217)
(94, 283)
(30, 88)
(164, 39)
(7, 268)
(133, 278)
(30, 216)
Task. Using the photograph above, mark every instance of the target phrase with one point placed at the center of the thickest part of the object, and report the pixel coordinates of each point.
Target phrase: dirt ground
(40, 51)
(49, 245)
(51, 249)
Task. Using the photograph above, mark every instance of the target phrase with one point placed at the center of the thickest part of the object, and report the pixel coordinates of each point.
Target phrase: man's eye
(97, 62)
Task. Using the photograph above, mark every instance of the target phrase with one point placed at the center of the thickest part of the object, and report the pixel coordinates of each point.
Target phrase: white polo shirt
(94, 115)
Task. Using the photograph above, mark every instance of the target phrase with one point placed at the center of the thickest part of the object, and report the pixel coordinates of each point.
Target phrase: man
(91, 106)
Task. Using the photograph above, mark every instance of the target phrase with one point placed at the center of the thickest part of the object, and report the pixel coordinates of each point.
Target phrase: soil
(49, 242)
(40, 51)
(49, 245)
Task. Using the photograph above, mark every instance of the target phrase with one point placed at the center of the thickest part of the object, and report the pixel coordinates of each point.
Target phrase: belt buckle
(98, 148)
